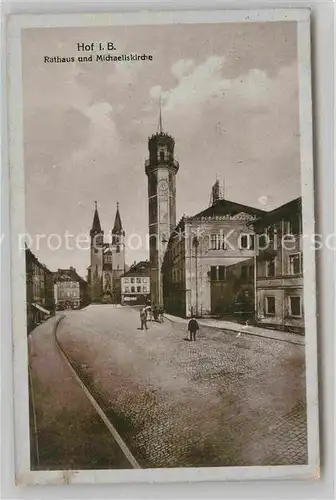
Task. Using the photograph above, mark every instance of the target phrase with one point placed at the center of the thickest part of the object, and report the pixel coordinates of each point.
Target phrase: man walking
(143, 319)
(193, 327)
(161, 312)
(155, 313)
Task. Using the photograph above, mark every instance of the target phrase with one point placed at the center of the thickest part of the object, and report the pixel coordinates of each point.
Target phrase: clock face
(163, 186)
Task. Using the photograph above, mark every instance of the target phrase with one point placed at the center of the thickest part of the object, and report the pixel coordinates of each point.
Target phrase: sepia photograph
(164, 272)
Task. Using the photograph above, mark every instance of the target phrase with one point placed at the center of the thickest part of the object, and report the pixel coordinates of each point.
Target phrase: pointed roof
(160, 124)
(96, 227)
(117, 227)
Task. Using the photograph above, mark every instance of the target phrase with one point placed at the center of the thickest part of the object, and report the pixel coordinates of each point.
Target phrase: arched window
(162, 155)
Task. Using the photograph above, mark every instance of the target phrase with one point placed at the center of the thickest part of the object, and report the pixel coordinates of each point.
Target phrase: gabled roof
(68, 275)
(226, 207)
(141, 268)
(286, 210)
(30, 256)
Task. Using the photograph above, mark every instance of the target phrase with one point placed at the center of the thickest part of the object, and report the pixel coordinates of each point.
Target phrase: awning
(40, 308)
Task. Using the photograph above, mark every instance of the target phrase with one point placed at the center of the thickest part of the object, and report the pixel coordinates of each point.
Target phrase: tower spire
(117, 227)
(96, 227)
(160, 125)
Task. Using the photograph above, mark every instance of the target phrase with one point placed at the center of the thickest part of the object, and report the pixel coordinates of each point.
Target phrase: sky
(229, 96)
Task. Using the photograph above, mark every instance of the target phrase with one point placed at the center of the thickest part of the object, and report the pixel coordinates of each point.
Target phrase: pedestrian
(193, 327)
(161, 311)
(155, 313)
(143, 319)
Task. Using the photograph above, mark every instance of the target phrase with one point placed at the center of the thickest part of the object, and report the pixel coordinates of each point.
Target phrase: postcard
(163, 247)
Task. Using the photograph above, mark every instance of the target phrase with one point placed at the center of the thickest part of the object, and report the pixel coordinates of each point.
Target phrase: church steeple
(96, 227)
(117, 227)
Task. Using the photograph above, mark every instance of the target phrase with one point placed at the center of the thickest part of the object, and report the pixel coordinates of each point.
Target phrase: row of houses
(238, 262)
(39, 291)
(48, 291)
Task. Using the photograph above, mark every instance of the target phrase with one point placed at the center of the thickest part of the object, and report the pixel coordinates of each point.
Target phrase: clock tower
(161, 169)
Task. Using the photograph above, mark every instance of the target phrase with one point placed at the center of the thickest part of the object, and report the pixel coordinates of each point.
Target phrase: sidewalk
(251, 330)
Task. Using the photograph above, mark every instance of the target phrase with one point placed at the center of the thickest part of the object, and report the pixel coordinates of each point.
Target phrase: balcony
(162, 163)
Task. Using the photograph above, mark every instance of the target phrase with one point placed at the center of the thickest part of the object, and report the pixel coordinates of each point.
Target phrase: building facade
(107, 261)
(70, 289)
(161, 168)
(39, 291)
(209, 264)
(135, 284)
(279, 279)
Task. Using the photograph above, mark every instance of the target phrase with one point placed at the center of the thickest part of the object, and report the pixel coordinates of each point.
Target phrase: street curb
(243, 330)
(112, 430)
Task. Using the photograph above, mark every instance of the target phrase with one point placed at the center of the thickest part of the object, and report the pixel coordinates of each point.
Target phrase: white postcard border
(17, 222)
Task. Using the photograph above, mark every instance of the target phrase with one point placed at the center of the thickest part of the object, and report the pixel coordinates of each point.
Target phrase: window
(246, 242)
(262, 241)
(270, 306)
(144, 289)
(118, 249)
(270, 232)
(138, 280)
(221, 273)
(161, 155)
(138, 289)
(218, 273)
(133, 289)
(126, 289)
(132, 280)
(126, 280)
(213, 273)
(74, 294)
(295, 265)
(244, 272)
(251, 272)
(217, 242)
(68, 294)
(243, 241)
(292, 226)
(295, 308)
(270, 267)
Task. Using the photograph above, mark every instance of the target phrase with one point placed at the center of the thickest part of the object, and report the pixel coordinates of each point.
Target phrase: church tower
(161, 169)
(118, 252)
(96, 257)
(107, 261)
(113, 262)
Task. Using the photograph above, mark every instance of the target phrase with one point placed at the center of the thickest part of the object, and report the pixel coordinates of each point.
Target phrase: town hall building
(107, 261)
(209, 264)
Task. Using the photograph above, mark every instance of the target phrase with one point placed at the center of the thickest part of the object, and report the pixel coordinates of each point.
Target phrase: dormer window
(162, 156)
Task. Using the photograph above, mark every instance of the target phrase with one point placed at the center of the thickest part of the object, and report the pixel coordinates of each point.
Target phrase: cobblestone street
(222, 400)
